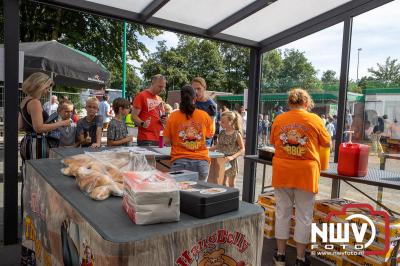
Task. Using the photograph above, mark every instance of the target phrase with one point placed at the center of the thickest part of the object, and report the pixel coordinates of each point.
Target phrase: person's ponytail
(187, 101)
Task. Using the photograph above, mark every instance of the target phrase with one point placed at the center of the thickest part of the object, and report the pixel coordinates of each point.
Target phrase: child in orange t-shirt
(186, 131)
(297, 136)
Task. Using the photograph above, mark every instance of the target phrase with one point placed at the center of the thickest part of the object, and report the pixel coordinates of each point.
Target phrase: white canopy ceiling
(247, 22)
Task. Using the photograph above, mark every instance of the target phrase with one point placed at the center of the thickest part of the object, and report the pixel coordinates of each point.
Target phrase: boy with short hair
(89, 128)
(63, 136)
(117, 133)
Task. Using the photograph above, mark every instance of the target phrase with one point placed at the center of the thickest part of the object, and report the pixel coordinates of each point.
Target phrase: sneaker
(279, 260)
(303, 263)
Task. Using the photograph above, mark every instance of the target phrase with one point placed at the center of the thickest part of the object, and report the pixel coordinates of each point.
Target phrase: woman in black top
(32, 117)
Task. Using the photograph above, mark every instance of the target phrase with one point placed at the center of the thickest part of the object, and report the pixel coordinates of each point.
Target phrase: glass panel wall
(375, 75)
(312, 63)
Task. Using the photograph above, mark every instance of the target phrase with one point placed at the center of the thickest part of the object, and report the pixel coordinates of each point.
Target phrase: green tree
(95, 35)
(329, 77)
(272, 64)
(298, 71)
(203, 59)
(236, 63)
(389, 72)
(168, 62)
(192, 57)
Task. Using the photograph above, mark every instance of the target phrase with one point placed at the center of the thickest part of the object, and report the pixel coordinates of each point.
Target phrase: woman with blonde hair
(297, 136)
(32, 117)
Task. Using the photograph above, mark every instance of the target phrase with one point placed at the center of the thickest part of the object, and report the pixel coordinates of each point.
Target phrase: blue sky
(376, 32)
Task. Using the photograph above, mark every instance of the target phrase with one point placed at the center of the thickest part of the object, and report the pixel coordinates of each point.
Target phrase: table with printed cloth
(61, 225)
(161, 156)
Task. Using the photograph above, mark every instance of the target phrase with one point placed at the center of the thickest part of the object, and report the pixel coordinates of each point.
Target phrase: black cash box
(205, 200)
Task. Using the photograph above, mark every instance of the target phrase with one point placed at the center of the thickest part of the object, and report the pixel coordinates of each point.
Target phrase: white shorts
(304, 203)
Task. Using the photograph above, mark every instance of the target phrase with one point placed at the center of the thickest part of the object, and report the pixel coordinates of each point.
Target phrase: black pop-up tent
(67, 66)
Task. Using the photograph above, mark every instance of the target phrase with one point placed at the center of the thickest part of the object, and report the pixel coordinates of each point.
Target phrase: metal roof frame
(320, 22)
(11, 39)
(308, 27)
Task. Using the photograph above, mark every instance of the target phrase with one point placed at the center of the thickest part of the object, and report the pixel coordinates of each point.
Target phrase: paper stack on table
(151, 197)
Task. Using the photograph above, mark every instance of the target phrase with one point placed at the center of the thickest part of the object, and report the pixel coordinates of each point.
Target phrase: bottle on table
(161, 139)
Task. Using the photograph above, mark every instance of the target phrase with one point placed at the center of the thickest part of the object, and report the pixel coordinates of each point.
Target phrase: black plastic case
(201, 205)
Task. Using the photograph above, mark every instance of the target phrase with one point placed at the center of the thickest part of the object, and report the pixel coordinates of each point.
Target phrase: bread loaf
(100, 193)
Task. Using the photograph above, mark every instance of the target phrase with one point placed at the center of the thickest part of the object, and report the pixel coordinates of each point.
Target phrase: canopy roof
(266, 24)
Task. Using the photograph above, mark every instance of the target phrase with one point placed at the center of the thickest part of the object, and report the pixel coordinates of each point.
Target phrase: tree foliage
(272, 64)
(329, 77)
(95, 35)
(224, 67)
(389, 72)
(283, 71)
(236, 63)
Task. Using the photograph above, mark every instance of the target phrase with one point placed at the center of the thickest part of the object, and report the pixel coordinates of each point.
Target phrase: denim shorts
(198, 166)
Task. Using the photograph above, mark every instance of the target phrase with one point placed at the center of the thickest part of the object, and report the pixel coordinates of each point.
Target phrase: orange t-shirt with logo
(188, 136)
(149, 105)
(297, 136)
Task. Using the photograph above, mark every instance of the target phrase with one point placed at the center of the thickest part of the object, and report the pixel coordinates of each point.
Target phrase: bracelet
(142, 123)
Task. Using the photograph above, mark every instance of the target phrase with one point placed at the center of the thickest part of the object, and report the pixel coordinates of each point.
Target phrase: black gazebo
(260, 25)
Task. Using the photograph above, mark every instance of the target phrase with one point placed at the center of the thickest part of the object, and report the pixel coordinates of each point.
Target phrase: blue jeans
(198, 166)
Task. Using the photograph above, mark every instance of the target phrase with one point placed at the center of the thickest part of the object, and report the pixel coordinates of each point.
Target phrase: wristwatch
(142, 123)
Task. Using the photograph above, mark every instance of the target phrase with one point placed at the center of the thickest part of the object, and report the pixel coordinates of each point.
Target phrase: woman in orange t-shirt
(186, 131)
(297, 136)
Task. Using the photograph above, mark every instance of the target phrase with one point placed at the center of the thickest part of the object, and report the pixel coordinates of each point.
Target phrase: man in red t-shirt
(148, 112)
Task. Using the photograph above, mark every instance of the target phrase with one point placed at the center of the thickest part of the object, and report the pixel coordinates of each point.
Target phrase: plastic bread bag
(100, 193)
(73, 163)
(111, 163)
(89, 179)
(151, 197)
(137, 162)
(103, 192)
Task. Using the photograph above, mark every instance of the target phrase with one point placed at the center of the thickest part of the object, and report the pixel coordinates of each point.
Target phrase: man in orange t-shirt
(297, 136)
(186, 131)
(148, 112)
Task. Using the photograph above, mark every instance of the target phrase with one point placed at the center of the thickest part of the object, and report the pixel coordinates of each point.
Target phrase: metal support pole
(124, 63)
(342, 102)
(11, 60)
(249, 175)
(358, 60)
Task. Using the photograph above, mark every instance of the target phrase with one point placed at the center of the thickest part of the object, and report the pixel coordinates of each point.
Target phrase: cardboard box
(269, 222)
(267, 199)
(269, 212)
(328, 205)
(377, 261)
(269, 232)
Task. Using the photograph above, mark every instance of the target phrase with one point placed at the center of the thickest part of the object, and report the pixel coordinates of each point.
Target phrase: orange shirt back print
(294, 139)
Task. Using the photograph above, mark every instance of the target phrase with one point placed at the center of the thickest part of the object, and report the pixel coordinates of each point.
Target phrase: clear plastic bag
(137, 162)
(99, 174)
(151, 197)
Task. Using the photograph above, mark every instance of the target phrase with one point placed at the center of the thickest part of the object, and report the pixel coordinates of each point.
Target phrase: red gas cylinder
(353, 159)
